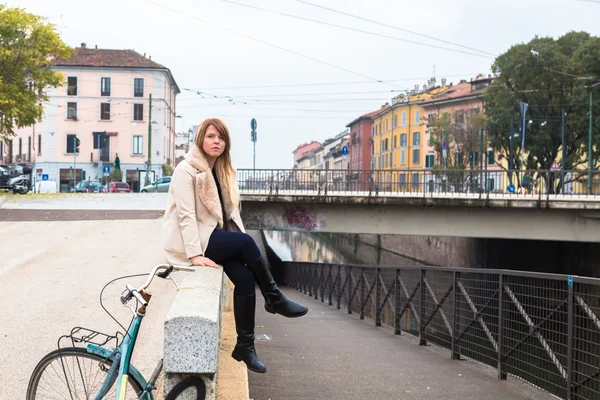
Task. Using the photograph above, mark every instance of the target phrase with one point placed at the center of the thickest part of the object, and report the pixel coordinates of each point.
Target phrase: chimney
(83, 45)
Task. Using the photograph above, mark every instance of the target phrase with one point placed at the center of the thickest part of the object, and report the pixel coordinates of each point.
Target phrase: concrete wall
(407, 250)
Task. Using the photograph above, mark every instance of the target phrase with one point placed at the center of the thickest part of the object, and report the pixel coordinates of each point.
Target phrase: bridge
(380, 202)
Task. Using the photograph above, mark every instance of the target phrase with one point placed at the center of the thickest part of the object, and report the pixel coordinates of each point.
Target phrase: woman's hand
(203, 261)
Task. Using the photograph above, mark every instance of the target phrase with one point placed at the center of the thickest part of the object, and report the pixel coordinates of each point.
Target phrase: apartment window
(416, 156)
(105, 111)
(20, 147)
(28, 148)
(403, 140)
(138, 144)
(138, 112)
(1, 150)
(71, 110)
(138, 87)
(416, 139)
(402, 180)
(373, 130)
(72, 86)
(415, 180)
(386, 125)
(105, 86)
(429, 160)
(10, 150)
(403, 157)
(458, 158)
(404, 118)
(395, 124)
(71, 144)
(491, 157)
(39, 145)
(395, 141)
(473, 156)
(417, 117)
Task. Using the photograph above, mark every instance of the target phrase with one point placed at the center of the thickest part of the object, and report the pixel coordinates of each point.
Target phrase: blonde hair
(223, 168)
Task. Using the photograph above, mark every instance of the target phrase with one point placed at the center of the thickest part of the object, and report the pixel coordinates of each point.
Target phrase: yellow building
(398, 136)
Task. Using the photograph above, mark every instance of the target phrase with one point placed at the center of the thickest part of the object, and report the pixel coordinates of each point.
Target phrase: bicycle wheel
(73, 373)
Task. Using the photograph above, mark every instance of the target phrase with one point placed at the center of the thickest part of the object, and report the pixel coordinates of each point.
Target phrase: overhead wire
(486, 55)
(268, 43)
(393, 27)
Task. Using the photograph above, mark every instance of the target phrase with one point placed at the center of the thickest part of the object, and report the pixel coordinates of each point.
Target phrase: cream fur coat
(193, 209)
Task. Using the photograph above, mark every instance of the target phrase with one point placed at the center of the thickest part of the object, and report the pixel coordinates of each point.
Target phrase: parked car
(118, 187)
(87, 187)
(46, 187)
(161, 185)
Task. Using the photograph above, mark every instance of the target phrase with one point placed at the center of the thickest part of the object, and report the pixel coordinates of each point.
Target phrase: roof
(457, 92)
(365, 116)
(108, 58)
(84, 57)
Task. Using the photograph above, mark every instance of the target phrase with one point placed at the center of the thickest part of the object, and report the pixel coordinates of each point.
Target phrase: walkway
(329, 354)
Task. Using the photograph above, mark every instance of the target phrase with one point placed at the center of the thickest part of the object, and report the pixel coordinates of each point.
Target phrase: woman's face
(213, 144)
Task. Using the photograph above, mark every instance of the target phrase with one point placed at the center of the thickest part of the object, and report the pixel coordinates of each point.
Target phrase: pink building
(105, 106)
(462, 100)
(302, 149)
(360, 148)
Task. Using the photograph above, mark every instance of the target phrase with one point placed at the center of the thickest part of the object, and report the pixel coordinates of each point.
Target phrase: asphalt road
(51, 274)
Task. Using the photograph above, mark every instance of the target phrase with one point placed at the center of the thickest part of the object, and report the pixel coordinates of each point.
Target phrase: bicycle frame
(121, 367)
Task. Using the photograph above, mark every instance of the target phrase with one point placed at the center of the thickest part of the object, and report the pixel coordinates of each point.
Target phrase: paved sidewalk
(328, 354)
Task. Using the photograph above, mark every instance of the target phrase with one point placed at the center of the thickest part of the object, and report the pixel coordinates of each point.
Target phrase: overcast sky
(219, 62)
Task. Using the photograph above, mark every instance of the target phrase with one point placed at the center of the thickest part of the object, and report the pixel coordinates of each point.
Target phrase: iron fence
(543, 328)
(431, 182)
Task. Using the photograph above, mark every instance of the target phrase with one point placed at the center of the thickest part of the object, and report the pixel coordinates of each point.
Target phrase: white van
(46, 187)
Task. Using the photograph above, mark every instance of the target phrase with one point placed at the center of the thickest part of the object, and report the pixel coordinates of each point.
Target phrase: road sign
(253, 124)
(444, 145)
(345, 150)
(44, 177)
(445, 153)
(554, 166)
(510, 188)
(106, 169)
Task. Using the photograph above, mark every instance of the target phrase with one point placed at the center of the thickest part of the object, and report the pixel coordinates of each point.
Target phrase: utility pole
(74, 161)
(149, 140)
(524, 112)
(590, 156)
(562, 162)
(511, 151)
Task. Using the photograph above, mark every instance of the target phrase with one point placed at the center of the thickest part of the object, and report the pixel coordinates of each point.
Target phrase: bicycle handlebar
(133, 292)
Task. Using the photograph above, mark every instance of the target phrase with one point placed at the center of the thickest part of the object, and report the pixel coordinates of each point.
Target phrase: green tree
(462, 132)
(28, 48)
(549, 75)
(167, 170)
(116, 175)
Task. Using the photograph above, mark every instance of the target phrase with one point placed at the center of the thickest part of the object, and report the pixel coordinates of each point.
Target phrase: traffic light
(77, 143)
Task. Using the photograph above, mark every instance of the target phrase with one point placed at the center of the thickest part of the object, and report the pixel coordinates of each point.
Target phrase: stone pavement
(328, 354)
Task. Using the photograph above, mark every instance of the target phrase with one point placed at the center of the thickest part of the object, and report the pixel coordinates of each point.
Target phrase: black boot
(275, 301)
(244, 308)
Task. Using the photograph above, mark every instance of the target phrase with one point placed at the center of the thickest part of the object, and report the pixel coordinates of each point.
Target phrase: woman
(203, 227)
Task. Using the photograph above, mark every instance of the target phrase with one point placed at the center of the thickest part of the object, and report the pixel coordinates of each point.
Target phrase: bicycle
(114, 364)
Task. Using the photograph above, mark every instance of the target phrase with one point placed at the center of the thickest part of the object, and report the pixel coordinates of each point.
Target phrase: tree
(116, 175)
(28, 48)
(549, 75)
(462, 132)
(167, 170)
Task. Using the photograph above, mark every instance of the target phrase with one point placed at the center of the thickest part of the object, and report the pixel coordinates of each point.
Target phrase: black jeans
(233, 250)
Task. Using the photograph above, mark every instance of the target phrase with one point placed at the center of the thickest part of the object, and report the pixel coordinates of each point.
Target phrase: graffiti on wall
(290, 218)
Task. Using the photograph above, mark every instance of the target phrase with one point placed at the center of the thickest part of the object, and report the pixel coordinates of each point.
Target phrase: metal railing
(543, 328)
(487, 183)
